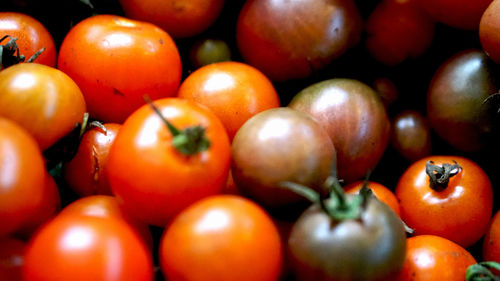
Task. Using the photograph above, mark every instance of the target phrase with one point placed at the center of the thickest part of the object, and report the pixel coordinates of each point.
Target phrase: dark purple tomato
(355, 119)
(411, 135)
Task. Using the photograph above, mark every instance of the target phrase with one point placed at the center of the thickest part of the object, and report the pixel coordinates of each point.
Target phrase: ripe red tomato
(489, 31)
(433, 258)
(85, 172)
(222, 238)
(125, 59)
(151, 176)
(462, 14)
(22, 177)
(42, 99)
(459, 210)
(31, 36)
(491, 241)
(11, 259)
(179, 18)
(234, 91)
(79, 247)
(380, 191)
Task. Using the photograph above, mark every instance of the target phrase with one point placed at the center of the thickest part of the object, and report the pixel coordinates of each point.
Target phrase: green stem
(481, 271)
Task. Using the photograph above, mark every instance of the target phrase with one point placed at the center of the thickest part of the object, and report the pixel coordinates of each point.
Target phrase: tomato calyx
(439, 176)
(188, 141)
(9, 53)
(481, 271)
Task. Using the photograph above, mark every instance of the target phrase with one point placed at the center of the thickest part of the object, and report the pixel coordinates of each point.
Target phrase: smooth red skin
(234, 91)
(125, 60)
(461, 14)
(22, 177)
(291, 39)
(380, 191)
(489, 31)
(150, 177)
(43, 99)
(80, 247)
(222, 238)
(106, 206)
(433, 258)
(460, 213)
(11, 259)
(411, 135)
(85, 172)
(491, 241)
(179, 18)
(355, 119)
(31, 36)
(398, 30)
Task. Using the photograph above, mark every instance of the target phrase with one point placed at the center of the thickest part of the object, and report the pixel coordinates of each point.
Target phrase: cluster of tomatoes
(255, 140)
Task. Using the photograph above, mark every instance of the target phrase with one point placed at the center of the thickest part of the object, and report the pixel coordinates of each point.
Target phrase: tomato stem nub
(439, 176)
(9, 53)
(481, 271)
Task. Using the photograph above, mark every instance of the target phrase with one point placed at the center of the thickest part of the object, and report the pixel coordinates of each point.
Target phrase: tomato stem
(439, 176)
(9, 53)
(481, 271)
(189, 141)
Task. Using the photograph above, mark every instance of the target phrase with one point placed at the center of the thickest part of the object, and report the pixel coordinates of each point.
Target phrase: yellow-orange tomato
(234, 91)
(380, 191)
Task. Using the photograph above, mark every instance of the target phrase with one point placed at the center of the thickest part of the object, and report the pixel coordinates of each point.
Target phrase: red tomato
(433, 258)
(42, 99)
(11, 259)
(380, 191)
(85, 172)
(491, 241)
(489, 31)
(150, 176)
(78, 247)
(222, 238)
(22, 177)
(31, 36)
(462, 14)
(178, 18)
(126, 60)
(459, 210)
(234, 91)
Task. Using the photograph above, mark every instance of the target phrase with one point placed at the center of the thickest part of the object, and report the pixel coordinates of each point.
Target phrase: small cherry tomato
(489, 30)
(462, 14)
(491, 241)
(411, 135)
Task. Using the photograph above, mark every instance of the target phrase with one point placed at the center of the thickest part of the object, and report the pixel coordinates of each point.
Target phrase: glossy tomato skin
(491, 241)
(11, 258)
(223, 238)
(43, 99)
(398, 30)
(380, 191)
(31, 36)
(322, 249)
(160, 181)
(22, 177)
(434, 258)
(234, 91)
(85, 172)
(456, 107)
(82, 247)
(461, 14)
(278, 145)
(290, 40)
(489, 30)
(355, 119)
(180, 19)
(411, 135)
(460, 212)
(126, 60)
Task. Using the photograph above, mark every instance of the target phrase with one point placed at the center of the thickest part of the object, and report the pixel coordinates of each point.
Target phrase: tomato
(222, 238)
(79, 247)
(179, 18)
(22, 176)
(411, 135)
(462, 14)
(208, 51)
(42, 99)
(387, 90)
(456, 107)
(85, 172)
(434, 258)
(262, 158)
(125, 59)
(459, 210)
(380, 191)
(491, 241)
(355, 119)
(106, 206)
(31, 36)
(398, 30)
(234, 91)
(160, 180)
(11, 259)
(489, 30)
(291, 40)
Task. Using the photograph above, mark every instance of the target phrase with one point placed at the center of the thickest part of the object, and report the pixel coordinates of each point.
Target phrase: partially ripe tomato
(411, 135)
(461, 14)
